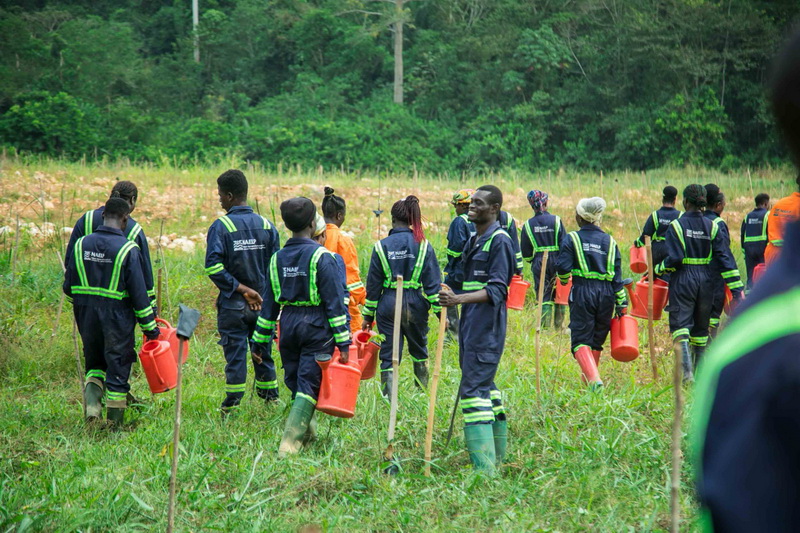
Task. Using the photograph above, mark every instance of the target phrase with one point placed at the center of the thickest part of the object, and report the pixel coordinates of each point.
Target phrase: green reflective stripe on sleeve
(451, 253)
(714, 229)
(473, 285)
(354, 286)
(267, 225)
(680, 333)
(134, 232)
(151, 293)
(143, 313)
(214, 269)
(510, 221)
(371, 303)
(228, 223)
(776, 242)
(267, 384)
(88, 223)
(337, 321)
(79, 262)
(730, 274)
(260, 337)
(433, 298)
(735, 285)
(341, 337)
(306, 397)
(264, 323)
(149, 326)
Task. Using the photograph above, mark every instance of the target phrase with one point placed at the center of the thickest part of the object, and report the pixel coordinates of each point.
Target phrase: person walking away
(304, 288)
(753, 236)
(693, 241)
(657, 224)
(507, 222)
(105, 283)
(542, 233)
(459, 232)
(320, 236)
(785, 211)
(592, 257)
(334, 210)
(239, 247)
(404, 252)
(719, 274)
(489, 264)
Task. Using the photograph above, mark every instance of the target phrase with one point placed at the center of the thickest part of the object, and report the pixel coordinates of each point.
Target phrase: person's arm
(137, 292)
(647, 231)
(525, 242)
(619, 289)
(215, 269)
(267, 318)
(375, 279)
(742, 233)
(335, 310)
(566, 261)
(514, 234)
(501, 267)
(431, 278)
(673, 240)
(457, 236)
(147, 267)
(354, 284)
(721, 251)
(77, 233)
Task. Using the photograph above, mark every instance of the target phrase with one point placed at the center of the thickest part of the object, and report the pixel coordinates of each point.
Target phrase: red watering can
(170, 334)
(516, 293)
(758, 271)
(562, 292)
(339, 388)
(638, 298)
(638, 260)
(159, 365)
(624, 338)
(366, 352)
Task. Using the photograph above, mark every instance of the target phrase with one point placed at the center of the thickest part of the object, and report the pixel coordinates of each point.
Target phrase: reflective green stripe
(510, 221)
(473, 285)
(370, 303)
(730, 274)
(213, 269)
(498, 409)
(777, 242)
(313, 292)
(340, 320)
(121, 255)
(696, 261)
(96, 373)
(143, 312)
(578, 347)
(713, 322)
(583, 269)
(757, 238)
(235, 387)
(679, 231)
(451, 253)
(421, 255)
(264, 323)
(79, 262)
(228, 223)
(260, 337)
(354, 286)
(267, 384)
(387, 272)
(495, 395)
(151, 292)
(267, 225)
(116, 396)
(98, 291)
(88, 223)
(468, 403)
(134, 232)
(488, 244)
(680, 332)
(306, 397)
(698, 341)
(465, 217)
(479, 416)
(412, 283)
(149, 326)
(341, 337)
(529, 231)
(735, 284)
(612, 256)
(433, 298)
(273, 277)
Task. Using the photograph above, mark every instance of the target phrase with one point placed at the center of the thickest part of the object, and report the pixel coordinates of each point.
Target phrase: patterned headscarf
(537, 199)
(464, 196)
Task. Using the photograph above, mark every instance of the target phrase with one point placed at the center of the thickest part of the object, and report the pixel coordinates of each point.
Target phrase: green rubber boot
(93, 396)
(421, 373)
(115, 416)
(296, 427)
(500, 430)
(558, 315)
(547, 314)
(311, 432)
(480, 445)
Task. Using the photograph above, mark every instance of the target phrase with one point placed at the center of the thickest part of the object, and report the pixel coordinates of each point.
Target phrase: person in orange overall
(785, 211)
(334, 211)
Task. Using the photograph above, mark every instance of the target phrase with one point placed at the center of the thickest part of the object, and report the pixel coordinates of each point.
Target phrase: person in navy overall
(489, 264)
(745, 417)
(507, 222)
(753, 236)
(542, 233)
(693, 242)
(305, 288)
(719, 274)
(240, 245)
(592, 257)
(105, 283)
(657, 224)
(404, 252)
(459, 232)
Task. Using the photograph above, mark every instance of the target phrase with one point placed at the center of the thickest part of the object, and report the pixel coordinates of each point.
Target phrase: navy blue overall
(692, 242)
(542, 233)
(461, 229)
(398, 254)
(747, 451)
(88, 224)
(507, 222)
(656, 227)
(489, 263)
(105, 283)
(592, 257)
(305, 281)
(717, 282)
(240, 245)
(754, 240)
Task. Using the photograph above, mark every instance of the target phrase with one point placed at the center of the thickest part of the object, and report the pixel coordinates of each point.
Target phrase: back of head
(591, 209)
(695, 195)
(234, 182)
(332, 205)
(126, 190)
(298, 213)
(116, 207)
(669, 193)
(538, 200)
(785, 95)
(762, 199)
(408, 212)
(495, 196)
(713, 194)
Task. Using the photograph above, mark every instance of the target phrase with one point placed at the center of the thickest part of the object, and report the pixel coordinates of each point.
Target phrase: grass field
(578, 461)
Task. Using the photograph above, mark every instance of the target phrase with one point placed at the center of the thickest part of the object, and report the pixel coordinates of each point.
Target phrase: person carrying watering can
(543, 232)
(461, 229)
(753, 236)
(592, 257)
(105, 283)
(657, 224)
(239, 247)
(489, 264)
(404, 252)
(304, 282)
(692, 242)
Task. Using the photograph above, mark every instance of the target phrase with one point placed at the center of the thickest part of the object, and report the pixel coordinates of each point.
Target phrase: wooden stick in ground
(542, 279)
(398, 310)
(176, 436)
(437, 367)
(651, 282)
(675, 485)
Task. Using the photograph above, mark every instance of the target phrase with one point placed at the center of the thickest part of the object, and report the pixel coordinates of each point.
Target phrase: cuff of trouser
(96, 381)
(116, 400)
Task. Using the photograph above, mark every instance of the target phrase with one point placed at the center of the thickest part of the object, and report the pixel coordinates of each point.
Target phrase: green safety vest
(763, 235)
(112, 291)
(88, 222)
(583, 269)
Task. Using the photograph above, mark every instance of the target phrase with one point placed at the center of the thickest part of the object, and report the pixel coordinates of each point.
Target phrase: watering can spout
(324, 361)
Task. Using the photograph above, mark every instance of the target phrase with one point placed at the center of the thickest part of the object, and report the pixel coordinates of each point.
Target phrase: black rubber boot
(686, 361)
(134, 402)
(421, 373)
(93, 396)
(115, 416)
(697, 355)
(386, 384)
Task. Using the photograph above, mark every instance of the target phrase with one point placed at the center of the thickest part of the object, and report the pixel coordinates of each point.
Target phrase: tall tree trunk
(195, 23)
(398, 52)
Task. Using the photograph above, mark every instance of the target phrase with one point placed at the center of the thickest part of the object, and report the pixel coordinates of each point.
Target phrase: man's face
(225, 199)
(480, 210)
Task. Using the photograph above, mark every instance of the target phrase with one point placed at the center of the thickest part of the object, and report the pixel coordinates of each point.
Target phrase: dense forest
(486, 84)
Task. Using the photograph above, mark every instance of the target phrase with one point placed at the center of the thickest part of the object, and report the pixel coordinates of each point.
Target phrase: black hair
(332, 205)
(785, 95)
(713, 194)
(116, 207)
(298, 213)
(408, 211)
(495, 195)
(695, 195)
(126, 190)
(233, 181)
(669, 194)
(762, 198)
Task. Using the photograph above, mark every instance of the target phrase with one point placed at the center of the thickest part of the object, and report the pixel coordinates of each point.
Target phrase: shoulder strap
(313, 291)
(576, 241)
(488, 244)
(121, 255)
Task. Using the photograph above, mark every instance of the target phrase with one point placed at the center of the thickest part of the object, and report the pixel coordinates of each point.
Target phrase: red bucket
(159, 365)
(516, 293)
(638, 260)
(624, 338)
(366, 353)
(562, 292)
(638, 298)
(339, 389)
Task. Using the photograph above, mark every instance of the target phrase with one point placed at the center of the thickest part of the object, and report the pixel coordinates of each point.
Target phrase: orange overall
(784, 211)
(344, 246)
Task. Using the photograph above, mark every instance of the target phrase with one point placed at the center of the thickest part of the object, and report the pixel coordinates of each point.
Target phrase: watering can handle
(160, 320)
(158, 373)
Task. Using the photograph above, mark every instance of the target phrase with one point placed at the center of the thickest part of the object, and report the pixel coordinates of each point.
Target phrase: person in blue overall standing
(719, 274)
(105, 283)
(753, 237)
(693, 242)
(507, 222)
(240, 245)
(489, 264)
(404, 252)
(542, 233)
(459, 232)
(304, 281)
(745, 417)
(592, 257)
(657, 224)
